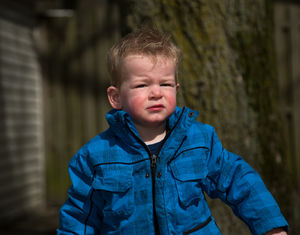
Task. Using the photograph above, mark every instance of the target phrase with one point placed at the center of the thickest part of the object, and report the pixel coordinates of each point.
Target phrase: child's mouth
(156, 108)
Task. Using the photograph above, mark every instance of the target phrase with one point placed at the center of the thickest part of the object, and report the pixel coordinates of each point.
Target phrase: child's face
(148, 91)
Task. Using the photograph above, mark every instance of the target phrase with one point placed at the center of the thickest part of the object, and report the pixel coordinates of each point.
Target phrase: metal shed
(21, 129)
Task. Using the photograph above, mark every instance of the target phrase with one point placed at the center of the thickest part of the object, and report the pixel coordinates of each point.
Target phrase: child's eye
(140, 86)
(166, 84)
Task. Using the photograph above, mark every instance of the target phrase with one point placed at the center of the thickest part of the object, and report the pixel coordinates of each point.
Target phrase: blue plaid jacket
(118, 187)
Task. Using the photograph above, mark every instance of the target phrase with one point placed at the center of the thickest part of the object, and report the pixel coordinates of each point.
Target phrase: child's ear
(113, 95)
(177, 87)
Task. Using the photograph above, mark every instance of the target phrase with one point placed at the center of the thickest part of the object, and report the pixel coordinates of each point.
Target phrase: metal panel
(21, 142)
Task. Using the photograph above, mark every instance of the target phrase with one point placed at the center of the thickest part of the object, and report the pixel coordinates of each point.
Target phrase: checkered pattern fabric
(112, 186)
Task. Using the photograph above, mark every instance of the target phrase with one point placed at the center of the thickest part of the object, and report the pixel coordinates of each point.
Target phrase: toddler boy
(148, 172)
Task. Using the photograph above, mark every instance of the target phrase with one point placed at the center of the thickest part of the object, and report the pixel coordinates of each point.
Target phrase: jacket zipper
(153, 164)
(153, 159)
(153, 171)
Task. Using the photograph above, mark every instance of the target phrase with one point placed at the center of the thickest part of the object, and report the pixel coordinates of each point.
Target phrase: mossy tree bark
(228, 73)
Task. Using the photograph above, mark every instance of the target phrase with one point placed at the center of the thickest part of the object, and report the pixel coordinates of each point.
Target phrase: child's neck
(152, 135)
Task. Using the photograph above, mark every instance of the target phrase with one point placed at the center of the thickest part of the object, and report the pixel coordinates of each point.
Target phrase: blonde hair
(146, 41)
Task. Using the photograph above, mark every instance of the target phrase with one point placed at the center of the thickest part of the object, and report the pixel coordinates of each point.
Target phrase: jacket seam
(199, 147)
(91, 206)
(124, 163)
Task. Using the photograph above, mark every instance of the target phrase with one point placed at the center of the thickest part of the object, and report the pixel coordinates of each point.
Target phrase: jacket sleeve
(77, 215)
(232, 180)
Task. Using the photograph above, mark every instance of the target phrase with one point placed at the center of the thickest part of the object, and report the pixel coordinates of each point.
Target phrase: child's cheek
(136, 101)
(172, 100)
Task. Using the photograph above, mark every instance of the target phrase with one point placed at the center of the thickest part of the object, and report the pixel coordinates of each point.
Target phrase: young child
(148, 172)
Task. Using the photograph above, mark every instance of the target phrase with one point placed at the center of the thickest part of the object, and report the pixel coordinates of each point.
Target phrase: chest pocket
(189, 169)
(113, 183)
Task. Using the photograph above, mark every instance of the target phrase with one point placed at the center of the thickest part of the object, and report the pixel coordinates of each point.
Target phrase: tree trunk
(228, 74)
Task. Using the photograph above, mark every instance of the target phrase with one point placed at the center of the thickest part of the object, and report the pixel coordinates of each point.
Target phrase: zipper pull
(153, 161)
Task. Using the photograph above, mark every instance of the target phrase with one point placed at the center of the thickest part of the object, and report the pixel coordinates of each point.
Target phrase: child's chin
(158, 123)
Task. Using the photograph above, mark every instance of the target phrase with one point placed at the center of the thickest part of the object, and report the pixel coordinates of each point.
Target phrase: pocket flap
(112, 184)
(113, 178)
(190, 165)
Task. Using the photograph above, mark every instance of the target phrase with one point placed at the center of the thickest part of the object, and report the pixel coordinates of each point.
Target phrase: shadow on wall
(41, 222)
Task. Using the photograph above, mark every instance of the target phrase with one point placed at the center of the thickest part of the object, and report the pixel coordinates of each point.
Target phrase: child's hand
(277, 231)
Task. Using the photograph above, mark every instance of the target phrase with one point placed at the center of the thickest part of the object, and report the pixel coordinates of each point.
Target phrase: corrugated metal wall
(21, 141)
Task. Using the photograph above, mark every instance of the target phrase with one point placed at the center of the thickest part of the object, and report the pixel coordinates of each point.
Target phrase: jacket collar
(179, 124)
(123, 127)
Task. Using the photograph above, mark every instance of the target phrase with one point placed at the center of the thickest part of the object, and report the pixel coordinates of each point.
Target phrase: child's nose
(155, 91)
